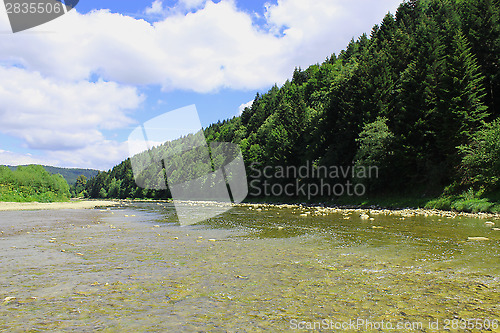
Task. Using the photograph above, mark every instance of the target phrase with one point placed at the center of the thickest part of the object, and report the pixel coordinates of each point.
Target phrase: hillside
(418, 98)
(32, 183)
(70, 174)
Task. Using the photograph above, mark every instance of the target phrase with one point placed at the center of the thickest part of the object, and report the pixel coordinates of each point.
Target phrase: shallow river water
(134, 269)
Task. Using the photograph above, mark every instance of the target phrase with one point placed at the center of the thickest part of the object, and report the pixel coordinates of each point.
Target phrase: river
(132, 268)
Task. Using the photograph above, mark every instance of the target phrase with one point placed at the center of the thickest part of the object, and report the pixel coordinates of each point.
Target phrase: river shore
(320, 209)
(74, 204)
(310, 209)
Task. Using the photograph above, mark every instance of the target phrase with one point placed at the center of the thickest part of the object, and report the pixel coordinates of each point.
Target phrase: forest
(32, 183)
(418, 98)
(70, 174)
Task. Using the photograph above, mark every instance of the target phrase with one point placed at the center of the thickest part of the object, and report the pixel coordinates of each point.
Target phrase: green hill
(32, 183)
(70, 174)
(419, 98)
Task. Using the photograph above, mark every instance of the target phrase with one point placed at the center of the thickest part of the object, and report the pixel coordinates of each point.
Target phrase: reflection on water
(133, 268)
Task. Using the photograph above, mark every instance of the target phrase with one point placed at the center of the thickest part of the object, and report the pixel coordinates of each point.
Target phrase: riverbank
(319, 208)
(80, 204)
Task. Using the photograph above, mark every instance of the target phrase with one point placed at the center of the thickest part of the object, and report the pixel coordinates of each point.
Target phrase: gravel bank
(84, 204)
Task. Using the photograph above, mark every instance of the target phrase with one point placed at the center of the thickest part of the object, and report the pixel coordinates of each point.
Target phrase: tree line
(419, 98)
(32, 183)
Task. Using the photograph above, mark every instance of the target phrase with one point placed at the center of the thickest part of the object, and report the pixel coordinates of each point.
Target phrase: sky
(73, 89)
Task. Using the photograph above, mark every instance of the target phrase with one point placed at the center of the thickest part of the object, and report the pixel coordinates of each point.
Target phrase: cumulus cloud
(53, 115)
(191, 4)
(156, 8)
(216, 46)
(49, 100)
(244, 106)
(12, 158)
(65, 119)
(101, 155)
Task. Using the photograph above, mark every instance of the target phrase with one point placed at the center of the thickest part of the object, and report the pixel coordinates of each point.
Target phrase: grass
(469, 201)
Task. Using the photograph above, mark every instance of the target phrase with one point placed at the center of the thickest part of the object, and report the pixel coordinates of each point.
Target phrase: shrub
(481, 158)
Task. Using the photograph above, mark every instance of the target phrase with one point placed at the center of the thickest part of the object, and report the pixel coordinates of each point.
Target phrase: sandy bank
(84, 204)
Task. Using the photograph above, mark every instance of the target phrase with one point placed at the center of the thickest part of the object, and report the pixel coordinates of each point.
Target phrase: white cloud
(192, 4)
(12, 158)
(101, 155)
(156, 8)
(316, 28)
(244, 106)
(198, 45)
(65, 119)
(53, 115)
(214, 47)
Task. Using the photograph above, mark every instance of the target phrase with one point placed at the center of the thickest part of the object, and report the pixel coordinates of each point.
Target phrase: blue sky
(73, 89)
(136, 7)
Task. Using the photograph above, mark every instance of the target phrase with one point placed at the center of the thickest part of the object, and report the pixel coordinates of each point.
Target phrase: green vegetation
(481, 158)
(468, 201)
(418, 98)
(32, 183)
(70, 174)
(78, 189)
(121, 184)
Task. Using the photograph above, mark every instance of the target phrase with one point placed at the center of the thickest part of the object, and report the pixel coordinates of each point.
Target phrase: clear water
(134, 269)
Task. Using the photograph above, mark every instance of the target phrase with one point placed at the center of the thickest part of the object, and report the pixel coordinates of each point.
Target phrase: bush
(481, 158)
(32, 183)
(472, 205)
(469, 201)
(443, 203)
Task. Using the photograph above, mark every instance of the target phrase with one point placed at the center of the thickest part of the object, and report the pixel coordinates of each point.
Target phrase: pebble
(478, 238)
(8, 299)
(405, 213)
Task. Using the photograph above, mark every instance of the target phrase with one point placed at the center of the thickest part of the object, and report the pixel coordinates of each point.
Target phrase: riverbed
(133, 268)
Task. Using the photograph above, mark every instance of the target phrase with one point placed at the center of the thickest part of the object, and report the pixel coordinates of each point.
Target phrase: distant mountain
(69, 174)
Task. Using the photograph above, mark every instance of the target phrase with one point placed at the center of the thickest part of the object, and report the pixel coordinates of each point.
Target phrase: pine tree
(481, 26)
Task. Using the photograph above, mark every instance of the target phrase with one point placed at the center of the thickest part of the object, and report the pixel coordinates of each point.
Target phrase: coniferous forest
(419, 97)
